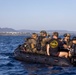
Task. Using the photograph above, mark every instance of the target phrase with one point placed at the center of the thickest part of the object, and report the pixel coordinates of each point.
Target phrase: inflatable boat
(43, 59)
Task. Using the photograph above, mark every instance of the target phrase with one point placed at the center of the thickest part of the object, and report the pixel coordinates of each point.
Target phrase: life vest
(66, 42)
(27, 44)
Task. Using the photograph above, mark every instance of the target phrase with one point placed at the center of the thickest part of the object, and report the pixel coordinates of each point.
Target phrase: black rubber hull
(43, 59)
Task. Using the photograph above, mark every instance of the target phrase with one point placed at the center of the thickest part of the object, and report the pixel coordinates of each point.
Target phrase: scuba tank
(38, 45)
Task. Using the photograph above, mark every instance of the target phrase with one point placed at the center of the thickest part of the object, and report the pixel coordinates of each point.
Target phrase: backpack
(38, 44)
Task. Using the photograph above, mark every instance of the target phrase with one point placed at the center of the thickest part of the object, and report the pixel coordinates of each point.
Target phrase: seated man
(67, 43)
(66, 40)
(54, 45)
(73, 46)
(41, 42)
(30, 43)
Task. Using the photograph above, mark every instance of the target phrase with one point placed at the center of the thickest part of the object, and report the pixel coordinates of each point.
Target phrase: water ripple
(10, 66)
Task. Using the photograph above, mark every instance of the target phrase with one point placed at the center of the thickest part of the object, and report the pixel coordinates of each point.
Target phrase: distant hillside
(13, 30)
(7, 30)
(25, 30)
(32, 31)
(60, 31)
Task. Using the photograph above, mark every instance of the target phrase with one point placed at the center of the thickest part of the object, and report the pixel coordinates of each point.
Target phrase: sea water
(10, 66)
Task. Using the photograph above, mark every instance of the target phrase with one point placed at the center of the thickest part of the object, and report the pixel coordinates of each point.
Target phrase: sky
(38, 14)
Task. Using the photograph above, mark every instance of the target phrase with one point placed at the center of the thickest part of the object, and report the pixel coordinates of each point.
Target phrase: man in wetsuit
(43, 34)
(73, 46)
(41, 42)
(66, 40)
(31, 43)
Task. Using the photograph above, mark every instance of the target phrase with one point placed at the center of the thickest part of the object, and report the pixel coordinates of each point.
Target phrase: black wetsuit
(74, 49)
(68, 43)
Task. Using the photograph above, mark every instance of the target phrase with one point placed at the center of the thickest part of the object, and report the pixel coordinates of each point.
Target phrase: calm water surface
(10, 66)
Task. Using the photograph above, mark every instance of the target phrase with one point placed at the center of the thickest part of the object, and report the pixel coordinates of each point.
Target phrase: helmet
(67, 34)
(43, 31)
(56, 34)
(74, 38)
